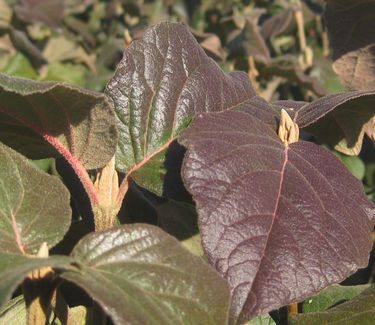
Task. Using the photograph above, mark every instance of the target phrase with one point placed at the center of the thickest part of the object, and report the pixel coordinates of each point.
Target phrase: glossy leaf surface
(278, 222)
(34, 206)
(359, 310)
(40, 119)
(162, 81)
(141, 275)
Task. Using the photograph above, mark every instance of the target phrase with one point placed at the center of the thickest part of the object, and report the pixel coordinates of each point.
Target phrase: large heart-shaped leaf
(161, 82)
(40, 119)
(278, 222)
(43, 119)
(141, 275)
(340, 119)
(350, 24)
(14, 268)
(34, 206)
(359, 310)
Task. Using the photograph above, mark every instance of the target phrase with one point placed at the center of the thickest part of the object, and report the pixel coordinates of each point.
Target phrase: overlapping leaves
(262, 206)
(359, 310)
(161, 82)
(42, 119)
(350, 24)
(340, 120)
(141, 275)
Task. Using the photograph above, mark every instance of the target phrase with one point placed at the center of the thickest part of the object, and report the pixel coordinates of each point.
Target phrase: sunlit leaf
(278, 222)
(34, 206)
(140, 275)
(161, 82)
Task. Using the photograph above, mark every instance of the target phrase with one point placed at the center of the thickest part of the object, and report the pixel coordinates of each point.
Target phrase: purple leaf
(278, 222)
(350, 25)
(49, 12)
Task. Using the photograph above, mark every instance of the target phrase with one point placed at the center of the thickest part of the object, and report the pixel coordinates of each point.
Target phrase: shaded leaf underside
(41, 119)
(278, 222)
(350, 25)
(340, 120)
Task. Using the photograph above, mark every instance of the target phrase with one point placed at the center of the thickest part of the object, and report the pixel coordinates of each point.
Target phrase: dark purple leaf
(277, 24)
(49, 12)
(249, 42)
(163, 79)
(278, 222)
(350, 25)
(288, 68)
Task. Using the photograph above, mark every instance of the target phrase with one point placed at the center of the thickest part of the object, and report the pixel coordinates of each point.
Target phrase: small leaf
(349, 25)
(339, 119)
(34, 206)
(161, 82)
(262, 320)
(140, 275)
(289, 69)
(278, 222)
(66, 72)
(359, 310)
(249, 42)
(354, 164)
(19, 65)
(331, 296)
(14, 268)
(277, 24)
(49, 12)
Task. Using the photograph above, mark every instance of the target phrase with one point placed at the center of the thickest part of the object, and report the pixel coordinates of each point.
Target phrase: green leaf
(19, 65)
(141, 275)
(40, 119)
(66, 72)
(14, 268)
(262, 320)
(14, 312)
(355, 165)
(350, 24)
(331, 296)
(34, 206)
(163, 80)
(359, 310)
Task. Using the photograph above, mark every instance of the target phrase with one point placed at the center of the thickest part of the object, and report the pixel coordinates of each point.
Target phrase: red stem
(73, 161)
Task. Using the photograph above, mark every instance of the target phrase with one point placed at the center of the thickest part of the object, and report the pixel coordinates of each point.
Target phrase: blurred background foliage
(283, 45)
